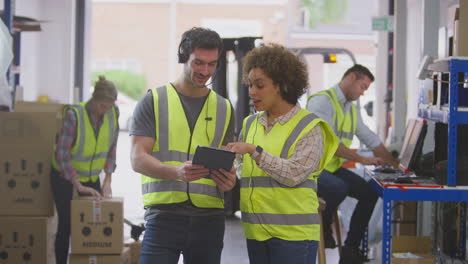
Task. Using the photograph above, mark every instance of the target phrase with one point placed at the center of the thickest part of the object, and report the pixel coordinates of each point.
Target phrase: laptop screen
(412, 143)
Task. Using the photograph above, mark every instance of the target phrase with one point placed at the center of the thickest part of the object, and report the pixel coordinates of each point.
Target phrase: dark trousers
(334, 187)
(279, 251)
(198, 238)
(62, 191)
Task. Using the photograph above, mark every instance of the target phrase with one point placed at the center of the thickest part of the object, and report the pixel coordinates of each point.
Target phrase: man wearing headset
(184, 202)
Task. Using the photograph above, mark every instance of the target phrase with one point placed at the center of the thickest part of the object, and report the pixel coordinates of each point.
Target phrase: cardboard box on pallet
(26, 240)
(27, 141)
(135, 248)
(97, 226)
(416, 245)
(124, 258)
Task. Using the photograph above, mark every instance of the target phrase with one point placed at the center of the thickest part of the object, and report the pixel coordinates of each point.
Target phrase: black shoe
(351, 256)
(329, 241)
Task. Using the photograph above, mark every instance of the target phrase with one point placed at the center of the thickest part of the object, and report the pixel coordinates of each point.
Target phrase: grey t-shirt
(143, 124)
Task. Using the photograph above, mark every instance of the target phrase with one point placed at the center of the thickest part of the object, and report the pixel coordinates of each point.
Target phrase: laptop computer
(410, 153)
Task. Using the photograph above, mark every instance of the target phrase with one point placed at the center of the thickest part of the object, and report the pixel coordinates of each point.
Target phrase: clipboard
(214, 158)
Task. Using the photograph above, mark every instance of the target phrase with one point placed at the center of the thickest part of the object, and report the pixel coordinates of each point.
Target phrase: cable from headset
(207, 118)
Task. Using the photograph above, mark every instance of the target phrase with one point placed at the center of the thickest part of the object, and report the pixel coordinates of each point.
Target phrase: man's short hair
(198, 37)
(360, 72)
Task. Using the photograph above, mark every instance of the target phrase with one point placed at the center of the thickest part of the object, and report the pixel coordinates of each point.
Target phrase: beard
(190, 79)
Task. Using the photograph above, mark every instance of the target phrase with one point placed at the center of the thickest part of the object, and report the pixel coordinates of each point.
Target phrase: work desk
(389, 192)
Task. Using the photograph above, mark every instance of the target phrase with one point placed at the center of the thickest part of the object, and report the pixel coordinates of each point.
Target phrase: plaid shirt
(304, 160)
(67, 138)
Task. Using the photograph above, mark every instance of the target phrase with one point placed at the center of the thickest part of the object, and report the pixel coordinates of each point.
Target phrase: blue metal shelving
(452, 115)
(429, 193)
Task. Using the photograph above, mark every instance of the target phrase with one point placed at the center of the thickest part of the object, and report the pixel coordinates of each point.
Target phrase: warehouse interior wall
(46, 66)
(47, 59)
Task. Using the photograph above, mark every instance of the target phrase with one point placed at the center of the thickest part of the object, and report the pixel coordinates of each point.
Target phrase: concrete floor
(235, 251)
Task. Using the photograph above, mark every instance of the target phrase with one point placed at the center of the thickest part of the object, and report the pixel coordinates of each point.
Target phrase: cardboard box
(135, 248)
(97, 226)
(124, 258)
(417, 245)
(25, 106)
(460, 30)
(27, 141)
(407, 218)
(37, 107)
(26, 240)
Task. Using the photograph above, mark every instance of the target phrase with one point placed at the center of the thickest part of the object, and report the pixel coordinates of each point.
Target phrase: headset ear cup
(183, 58)
(184, 50)
(181, 55)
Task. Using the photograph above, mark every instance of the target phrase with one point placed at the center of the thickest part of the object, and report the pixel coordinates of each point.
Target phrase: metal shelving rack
(452, 115)
(16, 25)
(13, 76)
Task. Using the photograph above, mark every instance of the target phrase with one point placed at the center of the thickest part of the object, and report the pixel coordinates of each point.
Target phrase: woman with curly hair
(284, 150)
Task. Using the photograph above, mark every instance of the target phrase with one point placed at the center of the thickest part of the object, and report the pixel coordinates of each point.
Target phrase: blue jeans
(334, 187)
(198, 238)
(279, 251)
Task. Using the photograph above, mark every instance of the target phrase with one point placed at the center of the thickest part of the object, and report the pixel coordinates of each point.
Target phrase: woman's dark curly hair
(282, 66)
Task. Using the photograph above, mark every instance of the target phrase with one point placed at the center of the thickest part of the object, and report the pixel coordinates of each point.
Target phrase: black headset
(185, 48)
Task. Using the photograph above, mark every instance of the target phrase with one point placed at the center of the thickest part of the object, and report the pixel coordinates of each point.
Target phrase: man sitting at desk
(336, 107)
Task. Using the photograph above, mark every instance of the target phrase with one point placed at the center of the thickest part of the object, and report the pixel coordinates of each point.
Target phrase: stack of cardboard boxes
(97, 232)
(26, 224)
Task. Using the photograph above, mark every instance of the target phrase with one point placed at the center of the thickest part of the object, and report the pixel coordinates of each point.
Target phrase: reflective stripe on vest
(344, 125)
(280, 219)
(89, 153)
(174, 138)
(271, 209)
(268, 182)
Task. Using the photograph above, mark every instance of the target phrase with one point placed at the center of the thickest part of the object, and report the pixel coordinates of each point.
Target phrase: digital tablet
(214, 158)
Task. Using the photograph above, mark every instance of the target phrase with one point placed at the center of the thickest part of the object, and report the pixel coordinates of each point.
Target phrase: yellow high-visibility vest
(90, 151)
(175, 144)
(345, 125)
(270, 209)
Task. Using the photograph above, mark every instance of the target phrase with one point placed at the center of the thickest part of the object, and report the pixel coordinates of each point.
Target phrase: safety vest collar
(293, 136)
(162, 133)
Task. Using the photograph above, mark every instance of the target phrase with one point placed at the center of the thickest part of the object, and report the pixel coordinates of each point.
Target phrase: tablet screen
(214, 158)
